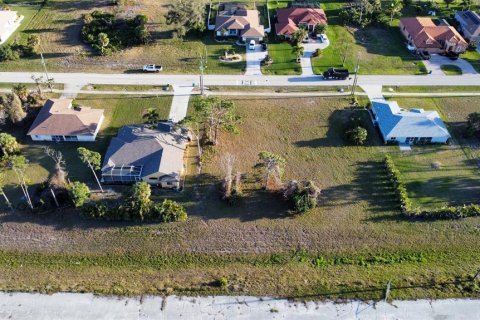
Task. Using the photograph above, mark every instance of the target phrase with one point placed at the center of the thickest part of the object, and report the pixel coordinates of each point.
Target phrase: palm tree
(298, 50)
(299, 35)
(152, 118)
(103, 41)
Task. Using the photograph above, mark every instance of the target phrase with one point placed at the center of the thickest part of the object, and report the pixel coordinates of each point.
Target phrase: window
(393, 138)
(71, 138)
(232, 32)
(58, 138)
(153, 178)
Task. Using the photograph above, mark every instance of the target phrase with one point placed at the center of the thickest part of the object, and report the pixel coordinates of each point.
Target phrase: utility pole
(49, 81)
(387, 292)
(345, 53)
(203, 66)
(354, 86)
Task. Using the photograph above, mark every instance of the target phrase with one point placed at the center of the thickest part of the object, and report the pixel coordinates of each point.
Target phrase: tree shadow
(338, 122)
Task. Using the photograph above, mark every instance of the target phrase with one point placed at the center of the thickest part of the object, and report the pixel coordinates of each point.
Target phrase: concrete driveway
(436, 61)
(254, 58)
(310, 49)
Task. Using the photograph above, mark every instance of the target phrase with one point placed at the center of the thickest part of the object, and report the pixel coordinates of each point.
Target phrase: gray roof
(469, 20)
(155, 150)
(394, 121)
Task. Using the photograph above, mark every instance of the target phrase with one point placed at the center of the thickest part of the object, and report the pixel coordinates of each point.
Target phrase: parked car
(336, 74)
(251, 45)
(152, 68)
(425, 55)
(452, 55)
(323, 38)
(264, 46)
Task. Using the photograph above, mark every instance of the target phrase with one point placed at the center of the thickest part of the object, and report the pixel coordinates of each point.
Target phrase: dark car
(451, 55)
(264, 46)
(425, 55)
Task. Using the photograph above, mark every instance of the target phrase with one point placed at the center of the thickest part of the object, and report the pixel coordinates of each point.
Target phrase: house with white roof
(413, 126)
(9, 22)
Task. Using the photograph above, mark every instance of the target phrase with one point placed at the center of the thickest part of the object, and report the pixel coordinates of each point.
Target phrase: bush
(223, 282)
(79, 193)
(303, 196)
(8, 53)
(357, 135)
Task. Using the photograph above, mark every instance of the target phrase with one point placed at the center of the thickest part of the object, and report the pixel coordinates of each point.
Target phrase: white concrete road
(254, 59)
(77, 79)
(71, 306)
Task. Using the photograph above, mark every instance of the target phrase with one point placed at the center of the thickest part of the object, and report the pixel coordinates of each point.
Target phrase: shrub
(357, 135)
(303, 196)
(223, 282)
(8, 53)
(79, 193)
(170, 211)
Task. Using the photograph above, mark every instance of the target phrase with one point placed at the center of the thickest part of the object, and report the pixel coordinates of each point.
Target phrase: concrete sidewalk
(73, 306)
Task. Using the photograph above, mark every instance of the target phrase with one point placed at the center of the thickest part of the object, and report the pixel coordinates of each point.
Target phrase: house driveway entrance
(254, 58)
(306, 60)
(436, 61)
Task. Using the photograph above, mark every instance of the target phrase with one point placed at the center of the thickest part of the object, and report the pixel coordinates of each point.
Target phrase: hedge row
(459, 212)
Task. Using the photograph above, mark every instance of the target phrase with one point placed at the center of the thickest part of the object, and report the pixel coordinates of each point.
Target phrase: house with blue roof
(413, 126)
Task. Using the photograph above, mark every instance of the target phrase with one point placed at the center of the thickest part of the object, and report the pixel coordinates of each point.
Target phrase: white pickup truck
(152, 68)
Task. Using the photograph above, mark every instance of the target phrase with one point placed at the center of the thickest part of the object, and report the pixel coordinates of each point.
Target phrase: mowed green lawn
(441, 175)
(119, 111)
(378, 50)
(283, 60)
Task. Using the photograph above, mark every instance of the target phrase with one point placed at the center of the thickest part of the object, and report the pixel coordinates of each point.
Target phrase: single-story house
(9, 22)
(140, 153)
(290, 20)
(408, 126)
(425, 35)
(236, 21)
(59, 121)
(469, 24)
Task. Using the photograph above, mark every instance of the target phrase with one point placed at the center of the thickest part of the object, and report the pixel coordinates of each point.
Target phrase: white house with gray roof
(139, 153)
(414, 126)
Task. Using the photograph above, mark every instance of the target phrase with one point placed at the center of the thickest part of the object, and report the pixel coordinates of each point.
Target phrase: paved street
(72, 306)
(72, 79)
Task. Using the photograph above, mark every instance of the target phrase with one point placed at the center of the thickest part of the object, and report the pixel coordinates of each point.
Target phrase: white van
(251, 45)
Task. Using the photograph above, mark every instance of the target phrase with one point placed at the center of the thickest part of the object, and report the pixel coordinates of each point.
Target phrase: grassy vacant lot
(431, 89)
(119, 111)
(442, 175)
(350, 246)
(58, 23)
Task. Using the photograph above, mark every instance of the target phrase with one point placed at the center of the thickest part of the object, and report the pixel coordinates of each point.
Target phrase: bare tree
(38, 82)
(227, 162)
(58, 178)
(19, 165)
(2, 185)
(273, 165)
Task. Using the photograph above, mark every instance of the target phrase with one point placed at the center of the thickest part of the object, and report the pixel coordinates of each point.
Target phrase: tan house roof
(289, 19)
(57, 117)
(426, 34)
(248, 21)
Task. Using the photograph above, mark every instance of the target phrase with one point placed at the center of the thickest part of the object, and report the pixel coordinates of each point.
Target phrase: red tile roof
(426, 34)
(289, 19)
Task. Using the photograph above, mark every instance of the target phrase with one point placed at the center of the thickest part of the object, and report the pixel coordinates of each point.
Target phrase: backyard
(350, 246)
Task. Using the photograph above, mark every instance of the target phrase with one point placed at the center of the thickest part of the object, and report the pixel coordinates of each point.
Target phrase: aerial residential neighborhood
(198, 152)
